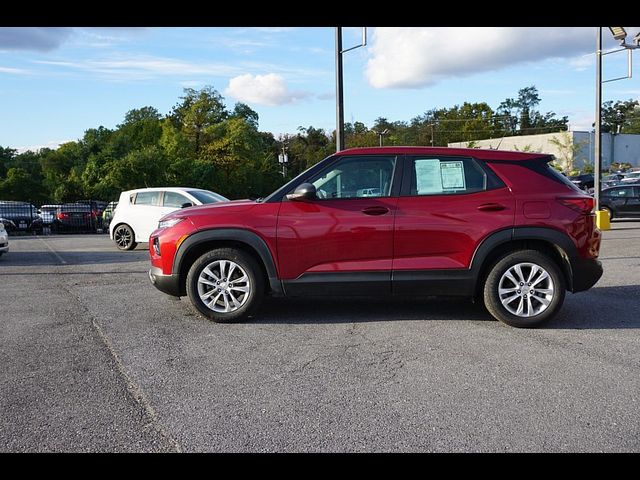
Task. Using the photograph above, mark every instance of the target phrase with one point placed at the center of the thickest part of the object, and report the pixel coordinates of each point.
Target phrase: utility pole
(283, 159)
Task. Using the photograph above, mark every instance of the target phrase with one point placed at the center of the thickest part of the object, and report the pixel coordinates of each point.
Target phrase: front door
(342, 241)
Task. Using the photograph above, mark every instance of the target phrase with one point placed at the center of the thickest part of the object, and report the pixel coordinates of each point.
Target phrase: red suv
(504, 227)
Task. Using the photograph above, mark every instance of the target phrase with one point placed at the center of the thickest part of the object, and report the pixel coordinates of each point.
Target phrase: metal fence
(26, 218)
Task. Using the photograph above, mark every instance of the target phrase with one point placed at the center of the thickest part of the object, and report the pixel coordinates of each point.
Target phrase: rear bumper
(169, 284)
(585, 273)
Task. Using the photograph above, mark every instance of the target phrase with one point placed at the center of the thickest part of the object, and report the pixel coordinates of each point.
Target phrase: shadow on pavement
(44, 257)
(598, 308)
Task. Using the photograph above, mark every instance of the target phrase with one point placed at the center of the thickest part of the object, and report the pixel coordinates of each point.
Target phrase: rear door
(447, 206)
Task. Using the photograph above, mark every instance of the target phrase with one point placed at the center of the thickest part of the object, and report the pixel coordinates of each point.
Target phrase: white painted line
(57, 255)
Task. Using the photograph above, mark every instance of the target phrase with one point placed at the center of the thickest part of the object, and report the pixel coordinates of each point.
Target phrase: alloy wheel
(526, 289)
(223, 286)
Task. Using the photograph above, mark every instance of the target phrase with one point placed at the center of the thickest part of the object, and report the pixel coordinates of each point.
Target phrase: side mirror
(187, 204)
(304, 191)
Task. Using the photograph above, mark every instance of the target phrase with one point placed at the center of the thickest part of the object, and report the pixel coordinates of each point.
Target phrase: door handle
(491, 207)
(375, 210)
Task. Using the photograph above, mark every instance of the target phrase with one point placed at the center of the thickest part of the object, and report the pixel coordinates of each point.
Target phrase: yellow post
(603, 222)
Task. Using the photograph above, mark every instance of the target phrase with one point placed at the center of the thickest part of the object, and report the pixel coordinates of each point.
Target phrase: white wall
(624, 149)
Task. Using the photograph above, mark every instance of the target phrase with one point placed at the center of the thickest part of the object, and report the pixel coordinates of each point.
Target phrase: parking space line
(57, 255)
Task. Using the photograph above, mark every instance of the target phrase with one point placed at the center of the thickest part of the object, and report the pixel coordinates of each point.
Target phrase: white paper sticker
(452, 174)
(428, 177)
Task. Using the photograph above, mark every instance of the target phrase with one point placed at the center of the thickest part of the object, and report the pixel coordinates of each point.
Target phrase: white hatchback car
(138, 211)
(4, 240)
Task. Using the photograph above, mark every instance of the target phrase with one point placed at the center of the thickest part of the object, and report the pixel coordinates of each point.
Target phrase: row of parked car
(87, 216)
(586, 181)
(620, 194)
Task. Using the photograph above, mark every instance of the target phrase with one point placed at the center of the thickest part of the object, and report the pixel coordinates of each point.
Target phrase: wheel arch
(197, 244)
(557, 245)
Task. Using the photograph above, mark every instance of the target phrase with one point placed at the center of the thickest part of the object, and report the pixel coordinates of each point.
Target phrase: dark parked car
(78, 217)
(621, 201)
(20, 217)
(612, 180)
(584, 181)
(501, 227)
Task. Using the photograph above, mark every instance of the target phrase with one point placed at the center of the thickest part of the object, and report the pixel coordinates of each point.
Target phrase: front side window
(445, 176)
(205, 196)
(173, 199)
(148, 198)
(356, 177)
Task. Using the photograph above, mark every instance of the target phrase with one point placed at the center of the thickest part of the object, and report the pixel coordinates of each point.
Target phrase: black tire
(249, 301)
(608, 210)
(494, 302)
(124, 237)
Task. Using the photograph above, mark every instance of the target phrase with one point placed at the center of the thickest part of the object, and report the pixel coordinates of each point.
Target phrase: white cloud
(270, 89)
(14, 71)
(419, 56)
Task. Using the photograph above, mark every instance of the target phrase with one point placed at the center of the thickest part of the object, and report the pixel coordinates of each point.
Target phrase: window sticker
(452, 174)
(428, 177)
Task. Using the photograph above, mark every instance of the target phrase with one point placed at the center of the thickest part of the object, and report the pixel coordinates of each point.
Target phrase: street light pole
(339, 93)
(339, 85)
(598, 124)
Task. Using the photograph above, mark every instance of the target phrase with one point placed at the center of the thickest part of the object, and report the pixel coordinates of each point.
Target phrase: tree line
(204, 144)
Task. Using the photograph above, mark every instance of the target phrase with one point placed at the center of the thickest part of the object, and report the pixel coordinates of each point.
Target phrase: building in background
(573, 150)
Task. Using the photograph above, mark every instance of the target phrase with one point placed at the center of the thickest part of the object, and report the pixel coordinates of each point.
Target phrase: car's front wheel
(124, 237)
(225, 285)
(524, 289)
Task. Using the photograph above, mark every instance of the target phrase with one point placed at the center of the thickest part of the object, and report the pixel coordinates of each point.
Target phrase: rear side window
(624, 192)
(447, 176)
(148, 198)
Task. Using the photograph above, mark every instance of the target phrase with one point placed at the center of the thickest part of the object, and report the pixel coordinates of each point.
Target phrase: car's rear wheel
(124, 237)
(524, 289)
(225, 285)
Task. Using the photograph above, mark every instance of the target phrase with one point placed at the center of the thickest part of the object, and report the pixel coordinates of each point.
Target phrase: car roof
(165, 189)
(482, 154)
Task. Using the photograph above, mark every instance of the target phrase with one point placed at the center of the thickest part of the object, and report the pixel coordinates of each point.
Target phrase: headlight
(169, 223)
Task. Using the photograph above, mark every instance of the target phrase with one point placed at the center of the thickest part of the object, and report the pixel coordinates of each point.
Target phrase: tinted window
(356, 177)
(445, 176)
(173, 199)
(205, 196)
(620, 192)
(148, 198)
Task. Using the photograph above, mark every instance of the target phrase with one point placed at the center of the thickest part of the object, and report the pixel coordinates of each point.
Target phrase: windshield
(205, 196)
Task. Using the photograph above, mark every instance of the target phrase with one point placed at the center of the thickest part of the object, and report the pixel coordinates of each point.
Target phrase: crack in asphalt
(133, 389)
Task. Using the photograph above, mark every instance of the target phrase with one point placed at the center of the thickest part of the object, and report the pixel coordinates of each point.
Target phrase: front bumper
(169, 284)
(586, 273)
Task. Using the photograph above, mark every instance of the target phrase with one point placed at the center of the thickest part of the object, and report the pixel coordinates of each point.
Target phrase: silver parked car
(4, 240)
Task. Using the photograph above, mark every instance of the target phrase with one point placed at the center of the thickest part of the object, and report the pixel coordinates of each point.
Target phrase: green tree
(199, 110)
(19, 184)
(621, 116)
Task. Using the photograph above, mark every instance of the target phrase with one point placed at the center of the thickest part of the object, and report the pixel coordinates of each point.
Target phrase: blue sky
(57, 82)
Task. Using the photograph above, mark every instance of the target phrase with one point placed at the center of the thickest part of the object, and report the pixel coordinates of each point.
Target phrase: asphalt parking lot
(94, 358)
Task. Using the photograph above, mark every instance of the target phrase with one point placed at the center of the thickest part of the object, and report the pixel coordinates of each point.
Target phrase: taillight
(579, 204)
(62, 216)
